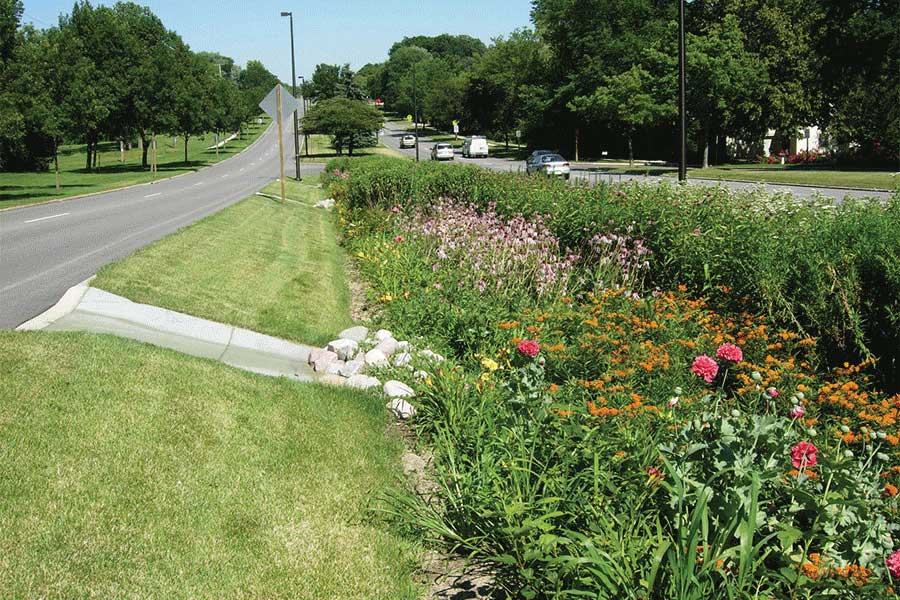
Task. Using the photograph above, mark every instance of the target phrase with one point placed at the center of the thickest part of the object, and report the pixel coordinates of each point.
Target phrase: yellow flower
(387, 298)
(489, 364)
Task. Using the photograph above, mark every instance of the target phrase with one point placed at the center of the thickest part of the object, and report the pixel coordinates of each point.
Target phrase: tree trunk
(96, 155)
(506, 134)
(186, 136)
(630, 150)
(705, 145)
(88, 162)
(144, 149)
(56, 160)
(350, 147)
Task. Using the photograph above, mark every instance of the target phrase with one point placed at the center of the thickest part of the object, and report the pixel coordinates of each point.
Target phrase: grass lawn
(259, 265)
(18, 188)
(129, 471)
(320, 150)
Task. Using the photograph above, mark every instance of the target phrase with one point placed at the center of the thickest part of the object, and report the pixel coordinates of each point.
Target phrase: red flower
(804, 455)
(398, 239)
(893, 564)
(705, 367)
(730, 352)
(529, 348)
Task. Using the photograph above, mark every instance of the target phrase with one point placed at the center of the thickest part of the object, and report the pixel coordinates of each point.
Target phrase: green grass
(259, 265)
(128, 471)
(320, 150)
(20, 188)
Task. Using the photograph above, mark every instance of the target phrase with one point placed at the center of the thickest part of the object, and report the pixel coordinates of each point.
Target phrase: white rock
(331, 379)
(363, 382)
(353, 367)
(383, 334)
(402, 359)
(357, 334)
(431, 355)
(376, 358)
(397, 389)
(420, 375)
(315, 354)
(327, 203)
(335, 367)
(344, 348)
(324, 359)
(404, 345)
(388, 346)
(401, 408)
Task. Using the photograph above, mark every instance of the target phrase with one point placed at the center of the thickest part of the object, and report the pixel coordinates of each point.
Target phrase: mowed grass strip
(270, 268)
(320, 150)
(129, 471)
(19, 188)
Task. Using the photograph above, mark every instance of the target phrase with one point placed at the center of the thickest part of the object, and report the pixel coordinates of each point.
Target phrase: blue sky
(330, 31)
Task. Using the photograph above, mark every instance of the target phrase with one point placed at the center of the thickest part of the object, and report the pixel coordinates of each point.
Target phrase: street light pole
(416, 113)
(294, 91)
(682, 118)
(305, 108)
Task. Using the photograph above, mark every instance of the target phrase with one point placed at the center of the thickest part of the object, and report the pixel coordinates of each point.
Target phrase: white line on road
(225, 175)
(153, 195)
(242, 168)
(45, 218)
(198, 183)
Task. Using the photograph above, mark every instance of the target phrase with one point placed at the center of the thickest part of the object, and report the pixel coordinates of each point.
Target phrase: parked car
(535, 154)
(475, 146)
(549, 164)
(408, 141)
(442, 151)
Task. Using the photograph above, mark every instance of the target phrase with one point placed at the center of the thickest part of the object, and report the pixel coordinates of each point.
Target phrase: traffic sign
(288, 103)
(518, 134)
(409, 118)
(456, 128)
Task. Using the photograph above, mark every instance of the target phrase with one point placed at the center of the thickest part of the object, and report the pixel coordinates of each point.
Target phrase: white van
(475, 146)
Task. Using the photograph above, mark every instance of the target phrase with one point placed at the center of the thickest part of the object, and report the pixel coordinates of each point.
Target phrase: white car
(408, 141)
(475, 146)
(442, 151)
(549, 164)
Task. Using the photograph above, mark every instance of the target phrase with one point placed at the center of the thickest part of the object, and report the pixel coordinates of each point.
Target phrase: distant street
(393, 131)
(45, 249)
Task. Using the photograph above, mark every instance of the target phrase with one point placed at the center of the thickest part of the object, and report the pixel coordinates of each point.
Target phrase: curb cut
(135, 185)
(64, 306)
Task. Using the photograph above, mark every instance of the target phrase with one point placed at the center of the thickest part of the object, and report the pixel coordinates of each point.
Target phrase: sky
(325, 31)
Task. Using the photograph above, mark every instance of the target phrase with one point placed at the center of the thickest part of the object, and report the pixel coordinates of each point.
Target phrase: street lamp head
(286, 14)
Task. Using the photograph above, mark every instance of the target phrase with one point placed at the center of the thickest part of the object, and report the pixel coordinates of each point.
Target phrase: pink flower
(705, 367)
(696, 232)
(398, 239)
(772, 392)
(730, 352)
(529, 348)
(804, 455)
(653, 473)
(797, 411)
(672, 401)
(893, 564)
(395, 209)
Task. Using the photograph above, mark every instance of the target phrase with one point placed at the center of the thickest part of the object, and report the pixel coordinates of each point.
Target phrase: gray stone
(344, 348)
(402, 359)
(420, 375)
(353, 367)
(397, 389)
(315, 354)
(334, 368)
(331, 379)
(388, 346)
(401, 408)
(327, 203)
(376, 358)
(363, 382)
(383, 334)
(357, 334)
(428, 354)
(323, 359)
(404, 345)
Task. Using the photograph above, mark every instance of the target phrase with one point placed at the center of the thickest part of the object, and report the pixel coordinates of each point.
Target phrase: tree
(626, 100)
(255, 81)
(347, 121)
(193, 98)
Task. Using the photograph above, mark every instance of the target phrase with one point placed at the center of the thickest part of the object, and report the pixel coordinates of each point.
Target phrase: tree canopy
(350, 123)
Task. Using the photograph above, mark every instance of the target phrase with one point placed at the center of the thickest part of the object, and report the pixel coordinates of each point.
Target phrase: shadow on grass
(36, 191)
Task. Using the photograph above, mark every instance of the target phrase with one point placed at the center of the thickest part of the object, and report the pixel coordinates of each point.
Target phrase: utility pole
(416, 112)
(294, 91)
(682, 118)
(305, 101)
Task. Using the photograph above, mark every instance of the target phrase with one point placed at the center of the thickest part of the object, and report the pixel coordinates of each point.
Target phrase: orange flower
(890, 490)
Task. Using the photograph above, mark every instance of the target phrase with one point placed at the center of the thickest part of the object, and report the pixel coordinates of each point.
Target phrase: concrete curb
(68, 303)
(136, 185)
(803, 185)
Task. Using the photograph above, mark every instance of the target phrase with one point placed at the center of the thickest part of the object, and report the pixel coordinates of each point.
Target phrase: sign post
(456, 130)
(277, 104)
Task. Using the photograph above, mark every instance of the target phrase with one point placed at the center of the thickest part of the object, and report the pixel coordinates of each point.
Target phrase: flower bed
(600, 437)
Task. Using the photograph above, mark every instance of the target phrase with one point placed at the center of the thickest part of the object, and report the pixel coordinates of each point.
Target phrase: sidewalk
(84, 308)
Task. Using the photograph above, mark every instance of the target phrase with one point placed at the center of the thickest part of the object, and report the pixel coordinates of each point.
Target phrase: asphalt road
(393, 131)
(46, 249)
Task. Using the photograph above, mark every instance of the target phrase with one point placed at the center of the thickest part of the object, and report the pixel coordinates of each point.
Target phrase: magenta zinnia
(730, 352)
(705, 368)
(529, 348)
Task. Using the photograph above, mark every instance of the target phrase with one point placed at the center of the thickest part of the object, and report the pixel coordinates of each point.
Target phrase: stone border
(64, 306)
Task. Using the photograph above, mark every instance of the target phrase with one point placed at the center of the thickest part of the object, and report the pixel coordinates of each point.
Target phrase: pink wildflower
(673, 401)
(696, 231)
(654, 473)
(804, 455)
(797, 411)
(772, 392)
(398, 239)
(705, 368)
(730, 352)
(396, 209)
(893, 564)
(529, 348)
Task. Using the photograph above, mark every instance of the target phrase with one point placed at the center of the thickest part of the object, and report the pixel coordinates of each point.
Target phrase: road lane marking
(198, 183)
(45, 218)
(224, 176)
(153, 195)
(242, 168)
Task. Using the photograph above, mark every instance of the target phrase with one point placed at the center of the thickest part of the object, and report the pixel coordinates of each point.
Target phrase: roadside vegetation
(321, 149)
(133, 471)
(653, 391)
(19, 188)
(259, 265)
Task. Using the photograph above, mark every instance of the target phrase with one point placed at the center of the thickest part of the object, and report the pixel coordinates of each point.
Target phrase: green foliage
(349, 122)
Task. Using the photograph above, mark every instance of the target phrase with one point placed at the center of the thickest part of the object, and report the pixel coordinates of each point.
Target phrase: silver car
(548, 164)
(442, 151)
(408, 141)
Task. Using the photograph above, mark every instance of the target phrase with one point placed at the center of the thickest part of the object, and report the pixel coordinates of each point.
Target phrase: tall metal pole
(305, 108)
(294, 91)
(682, 118)
(416, 112)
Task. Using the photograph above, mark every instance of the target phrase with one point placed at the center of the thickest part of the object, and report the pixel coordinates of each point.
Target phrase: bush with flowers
(596, 437)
